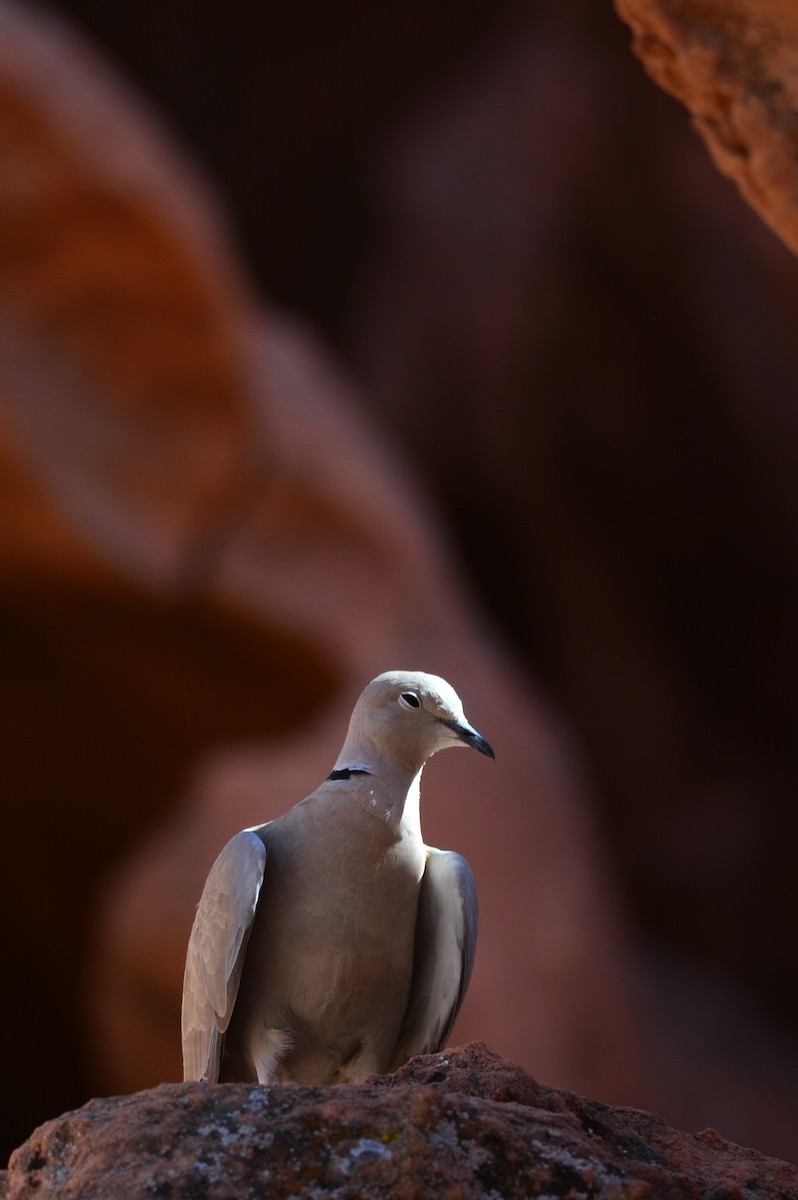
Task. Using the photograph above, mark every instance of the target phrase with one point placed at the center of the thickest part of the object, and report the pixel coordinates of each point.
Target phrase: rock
(467, 1124)
(735, 66)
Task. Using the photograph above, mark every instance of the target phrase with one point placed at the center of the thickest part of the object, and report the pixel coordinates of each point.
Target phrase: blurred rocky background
(563, 387)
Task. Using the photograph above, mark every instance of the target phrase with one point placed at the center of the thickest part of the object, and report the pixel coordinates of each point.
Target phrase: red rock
(467, 1124)
(735, 66)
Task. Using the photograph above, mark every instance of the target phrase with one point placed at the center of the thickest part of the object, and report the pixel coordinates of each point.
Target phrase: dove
(331, 943)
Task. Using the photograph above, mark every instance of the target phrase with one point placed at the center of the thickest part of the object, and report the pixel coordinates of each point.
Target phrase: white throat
(409, 819)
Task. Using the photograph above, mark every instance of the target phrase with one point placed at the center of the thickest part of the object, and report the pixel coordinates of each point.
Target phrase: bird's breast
(330, 957)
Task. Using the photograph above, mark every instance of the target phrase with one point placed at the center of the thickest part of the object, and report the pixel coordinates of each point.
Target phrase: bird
(331, 943)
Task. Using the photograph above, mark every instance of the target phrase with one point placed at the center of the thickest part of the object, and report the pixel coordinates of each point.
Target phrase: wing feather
(446, 937)
(216, 950)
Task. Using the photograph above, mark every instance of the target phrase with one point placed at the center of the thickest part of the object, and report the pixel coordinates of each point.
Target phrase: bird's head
(410, 715)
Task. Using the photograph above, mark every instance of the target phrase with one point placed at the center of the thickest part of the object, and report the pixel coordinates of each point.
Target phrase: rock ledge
(462, 1124)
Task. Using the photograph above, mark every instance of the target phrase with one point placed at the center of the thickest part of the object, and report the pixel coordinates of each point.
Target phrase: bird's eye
(410, 699)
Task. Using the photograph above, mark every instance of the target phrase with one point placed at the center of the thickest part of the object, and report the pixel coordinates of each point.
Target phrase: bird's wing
(216, 951)
(446, 938)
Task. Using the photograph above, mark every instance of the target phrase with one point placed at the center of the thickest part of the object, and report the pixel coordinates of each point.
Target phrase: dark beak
(469, 735)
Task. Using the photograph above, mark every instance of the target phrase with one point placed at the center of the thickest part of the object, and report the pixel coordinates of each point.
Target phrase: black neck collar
(347, 772)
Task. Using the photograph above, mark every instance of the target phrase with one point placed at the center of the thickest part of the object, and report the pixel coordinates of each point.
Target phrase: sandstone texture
(734, 64)
(465, 1125)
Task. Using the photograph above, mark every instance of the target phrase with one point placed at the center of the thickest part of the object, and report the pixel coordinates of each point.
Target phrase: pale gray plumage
(331, 943)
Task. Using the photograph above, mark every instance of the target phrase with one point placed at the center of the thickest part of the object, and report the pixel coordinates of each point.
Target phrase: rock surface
(735, 65)
(465, 1125)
